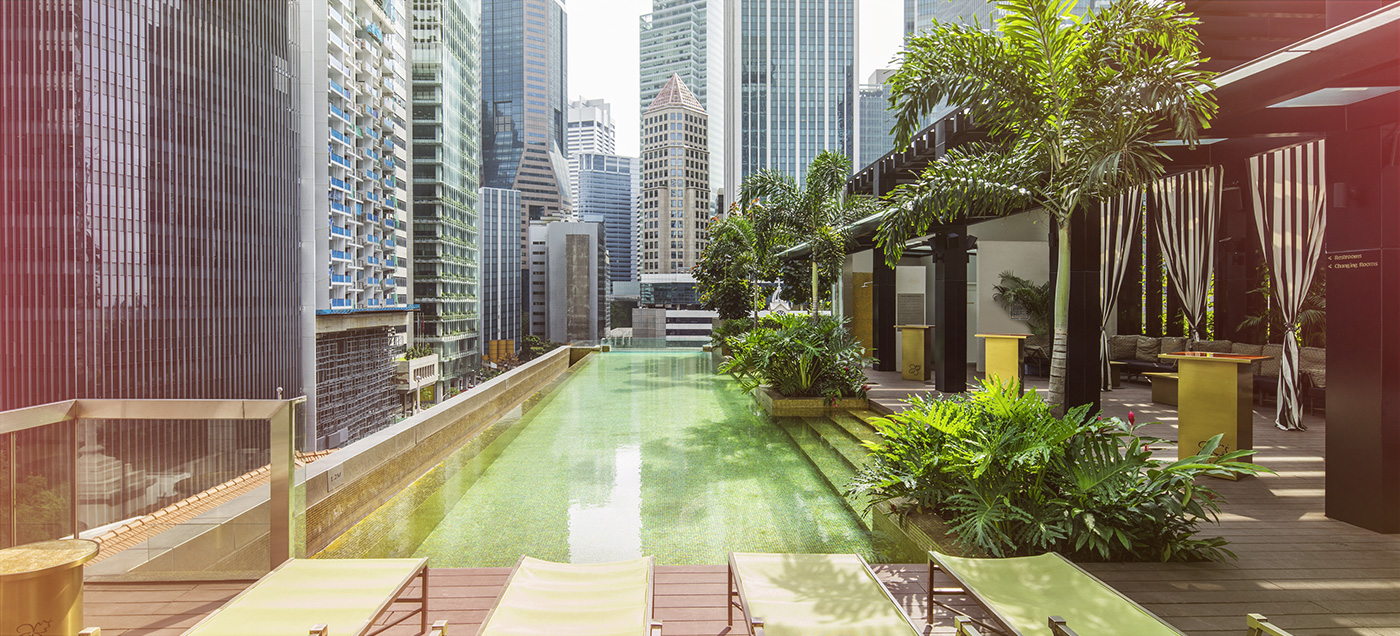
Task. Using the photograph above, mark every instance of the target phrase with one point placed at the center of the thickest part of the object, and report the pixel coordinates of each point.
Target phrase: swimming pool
(632, 453)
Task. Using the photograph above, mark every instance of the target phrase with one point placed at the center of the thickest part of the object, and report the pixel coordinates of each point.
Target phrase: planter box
(779, 406)
(918, 533)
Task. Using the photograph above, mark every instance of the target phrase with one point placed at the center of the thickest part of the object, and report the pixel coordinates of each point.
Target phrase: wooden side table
(1004, 354)
(41, 586)
(916, 344)
(1213, 395)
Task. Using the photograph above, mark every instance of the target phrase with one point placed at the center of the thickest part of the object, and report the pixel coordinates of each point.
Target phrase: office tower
(791, 85)
(149, 225)
(524, 77)
(674, 215)
(607, 195)
(876, 120)
(920, 14)
(687, 38)
(354, 100)
(446, 170)
(501, 264)
(568, 281)
(591, 130)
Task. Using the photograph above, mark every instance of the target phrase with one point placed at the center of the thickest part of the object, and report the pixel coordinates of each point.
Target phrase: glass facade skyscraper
(794, 88)
(607, 196)
(591, 130)
(876, 120)
(524, 78)
(446, 175)
(149, 224)
(686, 38)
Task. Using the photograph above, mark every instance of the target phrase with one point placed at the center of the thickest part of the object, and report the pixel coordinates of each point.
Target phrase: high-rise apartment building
(591, 130)
(687, 38)
(149, 226)
(354, 100)
(791, 85)
(446, 173)
(524, 46)
(673, 223)
(876, 119)
(501, 265)
(568, 281)
(607, 195)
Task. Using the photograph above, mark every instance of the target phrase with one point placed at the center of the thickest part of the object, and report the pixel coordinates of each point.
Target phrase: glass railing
(340, 278)
(337, 89)
(340, 231)
(335, 110)
(340, 302)
(339, 255)
(171, 489)
(337, 183)
(372, 260)
(337, 135)
(335, 158)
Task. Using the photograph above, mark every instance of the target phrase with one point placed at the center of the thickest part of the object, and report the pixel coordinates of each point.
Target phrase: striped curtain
(1189, 205)
(1118, 228)
(1290, 196)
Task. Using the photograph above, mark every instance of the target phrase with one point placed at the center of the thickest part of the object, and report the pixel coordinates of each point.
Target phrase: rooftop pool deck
(630, 453)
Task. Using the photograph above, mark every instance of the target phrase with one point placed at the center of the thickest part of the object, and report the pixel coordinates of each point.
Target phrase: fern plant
(1013, 479)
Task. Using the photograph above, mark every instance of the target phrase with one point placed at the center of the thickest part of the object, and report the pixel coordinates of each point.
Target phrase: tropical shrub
(799, 356)
(418, 351)
(1012, 479)
(729, 329)
(532, 347)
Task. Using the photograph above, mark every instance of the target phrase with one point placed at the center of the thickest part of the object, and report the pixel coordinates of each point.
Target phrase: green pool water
(631, 454)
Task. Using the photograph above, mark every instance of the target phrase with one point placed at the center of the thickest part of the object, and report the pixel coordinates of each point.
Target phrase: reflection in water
(609, 528)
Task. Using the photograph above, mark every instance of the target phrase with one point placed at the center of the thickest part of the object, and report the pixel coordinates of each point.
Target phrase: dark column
(1363, 333)
(950, 300)
(1082, 360)
(1176, 316)
(1152, 283)
(1232, 262)
(882, 318)
(1130, 294)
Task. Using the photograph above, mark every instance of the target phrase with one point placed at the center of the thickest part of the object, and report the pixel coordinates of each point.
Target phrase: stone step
(857, 428)
(839, 439)
(834, 468)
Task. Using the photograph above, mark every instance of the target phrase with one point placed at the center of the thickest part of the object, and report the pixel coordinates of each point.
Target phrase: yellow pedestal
(41, 587)
(1004, 356)
(915, 343)
(1213, 397)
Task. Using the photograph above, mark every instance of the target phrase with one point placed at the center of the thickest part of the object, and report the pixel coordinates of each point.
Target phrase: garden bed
(777, 405)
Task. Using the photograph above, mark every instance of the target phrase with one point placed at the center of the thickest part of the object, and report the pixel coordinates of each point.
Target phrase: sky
(603, 52)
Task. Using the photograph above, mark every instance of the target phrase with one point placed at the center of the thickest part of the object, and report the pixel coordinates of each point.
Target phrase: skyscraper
(354, 99)
(149, 226)
(920, 14)
(591, 130)
(568, 281)
(673, 222)
(501, 266)
(687, 38)
(607, 196)
(446, 171)
(791, 85)
(524, 46)
(876, 120)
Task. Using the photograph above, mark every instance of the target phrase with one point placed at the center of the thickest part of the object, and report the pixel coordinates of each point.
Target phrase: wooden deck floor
(1311, 575)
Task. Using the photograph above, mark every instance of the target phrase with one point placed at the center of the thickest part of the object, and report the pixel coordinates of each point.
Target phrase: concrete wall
(1018, 244)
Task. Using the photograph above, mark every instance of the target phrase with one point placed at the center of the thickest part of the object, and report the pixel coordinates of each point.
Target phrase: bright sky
(603, 53)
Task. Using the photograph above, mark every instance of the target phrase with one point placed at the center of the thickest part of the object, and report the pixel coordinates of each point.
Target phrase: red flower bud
(1131, 419)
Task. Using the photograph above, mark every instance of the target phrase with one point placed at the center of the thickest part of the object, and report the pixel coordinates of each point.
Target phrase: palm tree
(817, 214)
(1072, 107)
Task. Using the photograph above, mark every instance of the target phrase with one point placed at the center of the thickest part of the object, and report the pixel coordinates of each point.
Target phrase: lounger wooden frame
(755, 623)
(421, 573)
(653, 625)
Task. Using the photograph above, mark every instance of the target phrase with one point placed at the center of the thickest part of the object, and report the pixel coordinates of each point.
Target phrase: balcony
(339, 90)
(340, 303)
(340, 161)
(416, 373)
(340, 185)
(336, 230)
(340, 279)
(337, 255)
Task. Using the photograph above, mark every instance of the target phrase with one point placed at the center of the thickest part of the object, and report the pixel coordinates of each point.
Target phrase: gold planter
(41, 587)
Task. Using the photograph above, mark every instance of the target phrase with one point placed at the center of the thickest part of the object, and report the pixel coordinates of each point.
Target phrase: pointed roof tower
(675, 93)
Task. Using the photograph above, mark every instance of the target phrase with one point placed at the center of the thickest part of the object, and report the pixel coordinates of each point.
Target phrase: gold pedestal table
(1004, 353)
(1214, 392)
(916, 344)
(41, 587)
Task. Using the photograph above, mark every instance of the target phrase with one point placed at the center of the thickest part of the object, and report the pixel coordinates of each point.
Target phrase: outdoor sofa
(1138, 355)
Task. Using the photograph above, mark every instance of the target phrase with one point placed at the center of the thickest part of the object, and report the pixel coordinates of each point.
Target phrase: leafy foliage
(723, 275)
(799, 356)
(1072, 107)
(1312, 313)
(532, 347)
(1035, 299)
(1013, 479)
(418, 351)
(816, 213)
(729, 329)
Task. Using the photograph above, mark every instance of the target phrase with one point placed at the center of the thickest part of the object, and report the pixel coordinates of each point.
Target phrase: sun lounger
(812, 595)
(571, 599)
(1047, 595)
(338, 597)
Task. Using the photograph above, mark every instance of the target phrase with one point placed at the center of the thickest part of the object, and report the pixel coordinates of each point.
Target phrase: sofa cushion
(1246, 349)
(1213, 346)
(1312, 358)
(1318, 377)
(1122, 347)
(1269, 368)
(1171, 344)
(1147, 349)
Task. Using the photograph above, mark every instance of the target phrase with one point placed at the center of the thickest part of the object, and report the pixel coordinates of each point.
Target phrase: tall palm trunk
(814, 285)
(1060, 350)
